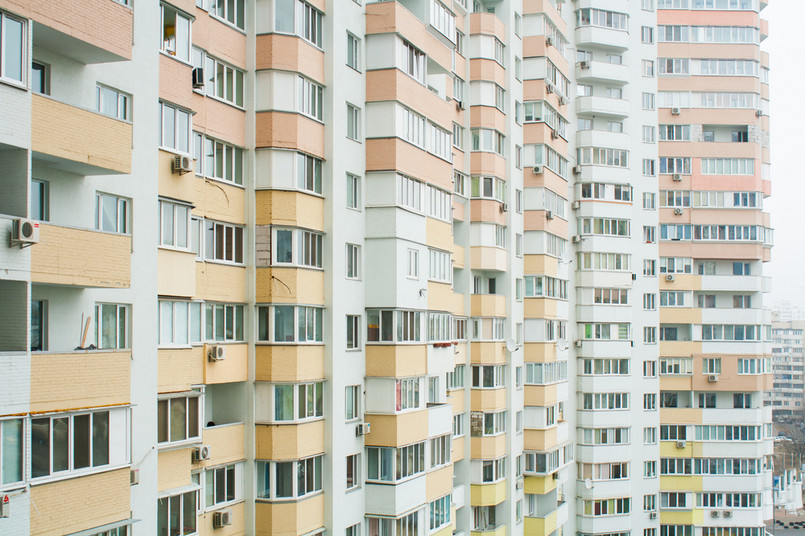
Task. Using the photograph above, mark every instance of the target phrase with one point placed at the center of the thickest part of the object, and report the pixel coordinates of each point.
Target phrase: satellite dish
(511, 346)
(588, 483)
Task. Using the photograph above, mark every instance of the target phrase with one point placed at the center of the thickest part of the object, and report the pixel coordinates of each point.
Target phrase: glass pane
(167, 224)
(178, 420)
(12, 47)
(284, 479)
(181, 323)
(162, 421)
(100, 438)
(175, 516)
(192, 417)
(284, 246)
(209, 487)
(283, 402)
(108, 104)
(182, 214)
(40, 447)
(81, 432)
(195, 322)
(11, 447)
(108, 320)
(283, 324)
(61, 440)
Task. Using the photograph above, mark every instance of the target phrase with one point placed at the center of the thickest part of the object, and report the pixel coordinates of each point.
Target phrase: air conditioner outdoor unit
(577, 170)
(460, 105)
(577, 343)
(549, 41)
(584, 64)
(652, 515)
(198, 78)
(182, 164)
(576, 205)
(5, 504)
(548, 215)
(216, 352)
(675, 111)
(363, 429)
(520, 483)
(677, 177)
(537, 170)
(504, 207)
(24, 231)
(758, 113)
(680, 444)
(678, 211)
(201, 453)
(712, 378)
(554, 135)
(670, 278)
(576, 239)
(134, 477)
(222, 519)
(727, 513)
(549, 87)
(714, 513)
(563, 100)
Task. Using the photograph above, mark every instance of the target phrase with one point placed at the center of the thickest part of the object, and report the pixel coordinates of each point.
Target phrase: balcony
(602, 37)
(81, 257)
(80, 379)
(91, 31)
(294, 517)
(603, 106)
(602, 138)
(602, 72)
(488, 305)
(226, 442)
(77, 140)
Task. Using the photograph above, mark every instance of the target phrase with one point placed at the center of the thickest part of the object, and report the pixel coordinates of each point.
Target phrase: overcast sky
(786, 48)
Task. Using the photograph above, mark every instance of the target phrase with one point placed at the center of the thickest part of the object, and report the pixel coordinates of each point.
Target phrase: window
(178, 419)
(353, 191)
(353, 52)
(648, 68)
(650, 469)
(40, 200)
(439, 450)
(412, 61)
(218, 160)
(175, 33)
(440, 204)
(602, 366)
(12, 447)
(289, 324)
(606, 507)
(353, 471)
(353, 258)
(458, 425)
(179, 322)
(441, 266)
(407, 394)
(13, 44)
(352, 406)
(391, 464)
(112, 102)
(650, 503)
(483, 518)
(413, 264)
(439, 511)
(289, 479)
(299, 18)
(111, 213)
(381, 324)
(604, 19)
(443, 20)
(175, 133)
(230, 10)
(176, 515)
(221, 80)
(223, 242)
(310, 98)
(647, 34)
(649, 302)
(297, 246)
(649, 435)
(353, 122)
(650, 401)
(223, 485)
(353, 332)
(488, 376)
(62, 442)
(111, 326)
(223, 322)
(648, 134)
(297, 402)
(648, 101)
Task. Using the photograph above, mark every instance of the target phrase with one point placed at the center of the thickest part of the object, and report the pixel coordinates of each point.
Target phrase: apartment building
(787, 359)
(715, 356)
(371, 269)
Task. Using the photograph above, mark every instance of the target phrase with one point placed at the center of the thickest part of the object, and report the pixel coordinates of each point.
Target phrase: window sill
(15, 83)
(225, 22)
(222, 505)
(288, 343)
(176, 58)
(67, 475)
(288, 499)
(222, 181)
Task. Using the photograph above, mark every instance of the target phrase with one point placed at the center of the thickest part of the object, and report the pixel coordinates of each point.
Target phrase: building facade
(383, 269)
(787, 360)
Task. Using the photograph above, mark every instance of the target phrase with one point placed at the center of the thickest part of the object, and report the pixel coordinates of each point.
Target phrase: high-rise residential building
(398, 268)
(715, 355)
(787, 397)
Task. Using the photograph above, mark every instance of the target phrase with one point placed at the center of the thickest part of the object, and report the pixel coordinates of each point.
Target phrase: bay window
(297, 246)
(290, 324)
(289, 479)
(393, 325)
(179, 322)
(224, 322)
(175, 33)
(389, 464)
(178, 418)
(66, 443)
(176, 515)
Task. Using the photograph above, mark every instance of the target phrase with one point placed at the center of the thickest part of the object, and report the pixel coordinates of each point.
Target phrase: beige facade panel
(546, 8)
(487, 210)
(219, 39)
(488, 399)
(537, 46)
(709, 149)
(392, 17)
(274, 363)
(458, 256)
(541, 308)
(394, 154)
(289, 518)
(219, 119)
(489, 70)
(387, 361)
(172, 184)
(175, 82)
(489, 258)
(541, 395)
(708, 116)
(78, 504)
(487, 305)
(395, 85)
(176, 273)
(459, 207)
(178, 369)
(174, 468)
(81, 257)
(487, 353)
(457, 397)
(289, 441)
(728, 380)
(227, 443)
(488, 494)
(537, 220)
(488, 164)
(79, 140)
(459, 448)
(439, 482)
(539, 485)
(220, 282)
(541, 133)
(680, 415)
(295, 209)
(79, 380)
(71, 24)
(489, 24)
(680, 315)
(540, 352)
(541, 440)
(488, 448)
(289, 53)
(235, 368)
(487, 117)
(716, 251)
(237, 528)
(398, 429)
(537, 90)
(709, 50)
(439, 234)
(290, 285)
(540, 264)
(442, 298)
(745, 84)
(287, 130)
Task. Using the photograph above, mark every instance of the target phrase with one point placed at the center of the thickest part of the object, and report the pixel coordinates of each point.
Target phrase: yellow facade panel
(397, 430)
(274, 363)
(289, 441)
(396, 361)
(488, 494)
(234, 368)
(178, 369)
(292, 518)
